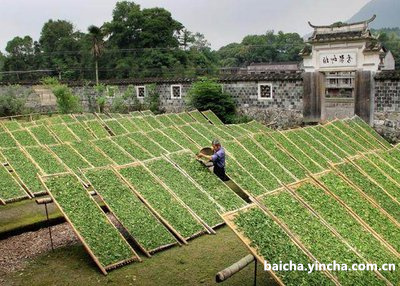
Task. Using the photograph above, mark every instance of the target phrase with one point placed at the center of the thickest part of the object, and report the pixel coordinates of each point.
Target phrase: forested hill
(387, 12)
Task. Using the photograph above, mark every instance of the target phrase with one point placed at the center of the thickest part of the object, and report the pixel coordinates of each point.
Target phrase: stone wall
(387, 105)
(285, 95)
(283, 110)
(170, 104)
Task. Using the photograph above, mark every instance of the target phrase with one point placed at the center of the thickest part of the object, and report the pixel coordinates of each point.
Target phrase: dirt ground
(30, 262)
(17, 250)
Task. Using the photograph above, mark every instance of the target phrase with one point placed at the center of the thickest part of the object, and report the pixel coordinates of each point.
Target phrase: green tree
(96, 35)
(390, 38)
(2, 62)
(61, 45)
(20, 55)
(139, 43)
(270, 47)
(207, 94)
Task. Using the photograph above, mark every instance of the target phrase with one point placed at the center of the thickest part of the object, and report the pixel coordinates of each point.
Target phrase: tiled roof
(268, 76)
(338, 36)
(341, 32)
(388, 75)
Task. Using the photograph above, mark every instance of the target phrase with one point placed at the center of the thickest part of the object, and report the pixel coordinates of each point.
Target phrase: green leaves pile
(350, 132)
(297, 153)
(379, 177)
(69, 157)
(45, 160)
(266, 160)
(212, 117)
(11, 125)
(130, 211)
(6, 141)
(186, 191)
(350, 229)
(24, 167)
(103, 239)
(115, 127)
(97, 128)
(165, 120)
(130, 146)
(210, 183)
(162, 201)
(318, 136)
(67, 118)
(147, 112)
(43, 135)
(252, 166)
(322, 243)
(195, 136)
(371, 131)
(62, 132)
(255, 127)
(307, 149)
(153, 122)
(345, 138)
(80, 131)
(263, 233)
(55, 119)
(89, 152)
(371, 189)
(362, 132)
(306, 137)
(210, 131)
(232, 132)
(363, 208)
(175, 119)
(113, 151)
(141, 124)
(382, 164)
(181, 139)
(24, 138)
(9, 188)
(337, 139)
(199, 117)
(164, 141)
(147, 144)
(280, 155)
(242, 178)
(186, 117)
(128, 124)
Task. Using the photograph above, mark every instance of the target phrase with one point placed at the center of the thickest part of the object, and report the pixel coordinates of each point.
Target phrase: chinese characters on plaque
(348, 59)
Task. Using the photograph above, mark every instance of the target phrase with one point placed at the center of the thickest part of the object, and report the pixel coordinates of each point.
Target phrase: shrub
(153, 99)
(66, 101)
(118, 105)
(101, 103)
(12, 101)
(207, 94)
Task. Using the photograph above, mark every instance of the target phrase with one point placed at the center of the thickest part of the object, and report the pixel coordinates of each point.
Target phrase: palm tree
(96, 34)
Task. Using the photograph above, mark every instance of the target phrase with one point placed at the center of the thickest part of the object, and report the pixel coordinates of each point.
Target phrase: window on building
(140, 91)
(176, 91)
(264, 91)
